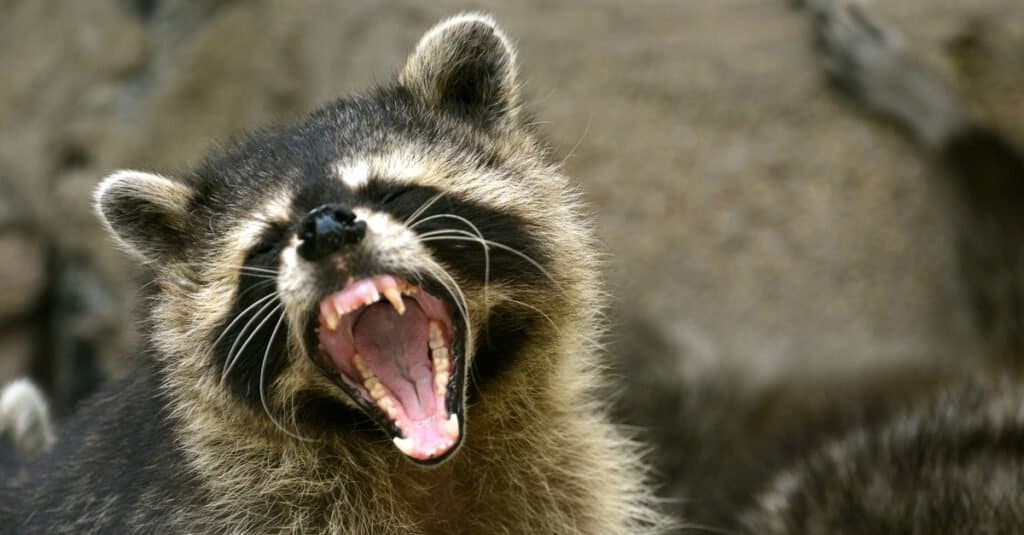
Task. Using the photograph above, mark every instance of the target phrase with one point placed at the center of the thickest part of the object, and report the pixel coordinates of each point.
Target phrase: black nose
(328, 229)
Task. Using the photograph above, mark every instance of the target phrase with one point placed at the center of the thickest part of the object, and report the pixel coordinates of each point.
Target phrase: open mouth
(392, 345)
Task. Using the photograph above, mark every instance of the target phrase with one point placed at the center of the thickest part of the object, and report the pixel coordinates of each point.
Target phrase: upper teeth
(333, 311)
(395, 298)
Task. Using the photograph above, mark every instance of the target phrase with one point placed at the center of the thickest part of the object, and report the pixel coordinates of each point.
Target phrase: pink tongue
(395, 347)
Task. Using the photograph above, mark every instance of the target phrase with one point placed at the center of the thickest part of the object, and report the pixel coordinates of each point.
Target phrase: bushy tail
(25, 423)
(985, 171)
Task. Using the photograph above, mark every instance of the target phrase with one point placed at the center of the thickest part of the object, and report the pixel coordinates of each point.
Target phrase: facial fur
(456, 199)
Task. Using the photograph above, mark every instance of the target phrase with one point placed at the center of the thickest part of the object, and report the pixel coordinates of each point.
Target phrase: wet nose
(329, 229)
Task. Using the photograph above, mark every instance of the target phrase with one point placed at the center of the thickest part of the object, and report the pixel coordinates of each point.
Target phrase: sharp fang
(395, 297)
(451, 427)
(404, 445)
(332, 320)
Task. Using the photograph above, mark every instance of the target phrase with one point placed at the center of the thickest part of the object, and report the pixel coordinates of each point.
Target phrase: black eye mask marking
(508, 325)
(462, 252)
(247, 331)
(245, 334)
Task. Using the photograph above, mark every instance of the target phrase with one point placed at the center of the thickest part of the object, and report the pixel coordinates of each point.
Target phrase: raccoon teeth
(395, 297)
(451, 427)
(441, 361)
(364, 370)
(405, 445)
(332, 318)
(372, 298)
(441, 382)
(436, 339)
(387, 406)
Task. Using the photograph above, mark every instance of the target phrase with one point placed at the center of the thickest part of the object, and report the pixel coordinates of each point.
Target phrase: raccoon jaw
(390, 343)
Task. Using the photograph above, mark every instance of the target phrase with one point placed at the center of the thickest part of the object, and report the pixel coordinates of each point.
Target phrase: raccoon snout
(327, 230)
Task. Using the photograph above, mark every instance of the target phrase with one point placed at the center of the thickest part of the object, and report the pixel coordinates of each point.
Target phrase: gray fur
(869, 62)
(951, 461)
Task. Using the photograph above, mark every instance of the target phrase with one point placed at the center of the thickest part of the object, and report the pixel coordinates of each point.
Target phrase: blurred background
(762, 235)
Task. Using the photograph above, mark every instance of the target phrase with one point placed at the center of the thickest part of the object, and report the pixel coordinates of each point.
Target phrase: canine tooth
(332, 320)
(451, 427)
(404, 445)
(393, 295)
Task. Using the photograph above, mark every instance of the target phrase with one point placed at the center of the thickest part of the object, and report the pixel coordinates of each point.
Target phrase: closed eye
(393, 195)
(268, 245)
(263, 248)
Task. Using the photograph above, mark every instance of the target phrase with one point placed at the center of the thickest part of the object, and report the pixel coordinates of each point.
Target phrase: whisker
(460, 235)
(423, 208)
(457, 295)
(234, 356)
(579, 142)
(483, 243)
(233, 266)
(256, 271)
(258, 285)
(537, 310)
(263, 371)
(239, 317)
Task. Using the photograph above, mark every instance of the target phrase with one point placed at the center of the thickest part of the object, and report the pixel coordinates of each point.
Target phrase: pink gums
(393, 348)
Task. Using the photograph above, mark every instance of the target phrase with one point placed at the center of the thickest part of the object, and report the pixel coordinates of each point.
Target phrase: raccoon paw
(868, 63)
(25, 418)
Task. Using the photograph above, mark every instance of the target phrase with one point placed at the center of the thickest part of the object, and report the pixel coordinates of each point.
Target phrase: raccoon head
(382, 261)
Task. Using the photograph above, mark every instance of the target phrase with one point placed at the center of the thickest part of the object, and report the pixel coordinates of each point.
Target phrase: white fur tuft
(25, 417)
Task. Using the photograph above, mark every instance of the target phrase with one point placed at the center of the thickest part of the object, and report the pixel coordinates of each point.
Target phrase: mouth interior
(390, 343)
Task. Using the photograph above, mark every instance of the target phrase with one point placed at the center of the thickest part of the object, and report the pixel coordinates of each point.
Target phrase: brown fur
(539, 454)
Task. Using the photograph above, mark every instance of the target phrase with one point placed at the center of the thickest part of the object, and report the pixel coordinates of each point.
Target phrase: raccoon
(381, 319)
(950, 461)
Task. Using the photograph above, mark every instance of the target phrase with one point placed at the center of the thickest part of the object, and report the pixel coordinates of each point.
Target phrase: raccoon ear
(467, 65)
(147, 213)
